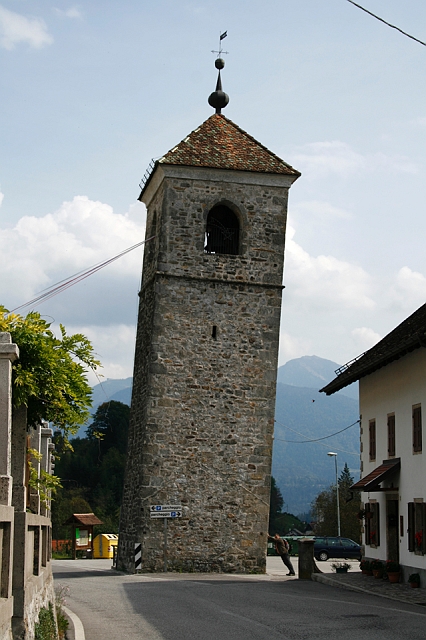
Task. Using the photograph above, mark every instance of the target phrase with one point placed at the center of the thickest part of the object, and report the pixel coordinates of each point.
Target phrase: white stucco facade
(395, 389)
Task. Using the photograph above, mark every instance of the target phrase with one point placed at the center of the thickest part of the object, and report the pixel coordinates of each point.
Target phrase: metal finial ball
(219, 63)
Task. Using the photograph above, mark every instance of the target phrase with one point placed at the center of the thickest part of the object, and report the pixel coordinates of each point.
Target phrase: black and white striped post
(138, 556)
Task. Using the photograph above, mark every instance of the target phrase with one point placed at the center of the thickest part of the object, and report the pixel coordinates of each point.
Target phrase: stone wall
(205, 375)
(26, 582)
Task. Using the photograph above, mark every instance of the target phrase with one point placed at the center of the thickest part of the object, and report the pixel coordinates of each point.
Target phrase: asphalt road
(113, 605)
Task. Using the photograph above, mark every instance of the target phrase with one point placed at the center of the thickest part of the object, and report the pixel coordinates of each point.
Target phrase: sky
(91, 91)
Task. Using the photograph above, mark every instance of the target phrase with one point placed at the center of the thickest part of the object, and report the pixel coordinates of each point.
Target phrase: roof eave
(348, 377)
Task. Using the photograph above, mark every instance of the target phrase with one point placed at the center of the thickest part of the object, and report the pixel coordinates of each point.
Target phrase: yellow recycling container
(103, 545)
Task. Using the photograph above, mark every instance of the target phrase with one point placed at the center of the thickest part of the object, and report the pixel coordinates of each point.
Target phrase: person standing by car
(282, 548)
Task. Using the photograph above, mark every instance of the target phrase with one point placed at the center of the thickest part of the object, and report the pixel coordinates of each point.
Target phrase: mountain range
(304, 420)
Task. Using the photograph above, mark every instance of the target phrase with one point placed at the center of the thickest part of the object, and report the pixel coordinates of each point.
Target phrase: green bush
(45, 628)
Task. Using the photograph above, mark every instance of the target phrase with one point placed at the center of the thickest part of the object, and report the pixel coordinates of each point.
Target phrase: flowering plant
(392, 566)
(377, 565)
(341, 565)
(365, 565)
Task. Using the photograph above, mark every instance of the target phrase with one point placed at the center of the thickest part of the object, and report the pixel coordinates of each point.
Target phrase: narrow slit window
(214, 332)
(222, 231)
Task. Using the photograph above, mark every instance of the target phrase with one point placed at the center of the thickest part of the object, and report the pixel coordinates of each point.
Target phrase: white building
(392, 395)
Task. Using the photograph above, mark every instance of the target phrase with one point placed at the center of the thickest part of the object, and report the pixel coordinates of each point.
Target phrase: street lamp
(334, 455)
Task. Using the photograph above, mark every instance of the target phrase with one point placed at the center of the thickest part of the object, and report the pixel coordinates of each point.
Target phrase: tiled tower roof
(220, 144)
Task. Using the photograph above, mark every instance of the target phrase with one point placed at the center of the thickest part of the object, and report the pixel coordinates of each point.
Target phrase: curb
(332, 582)
(76, 629)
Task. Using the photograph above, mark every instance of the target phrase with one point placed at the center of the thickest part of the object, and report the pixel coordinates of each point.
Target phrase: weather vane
(219, 99)
(221, 37)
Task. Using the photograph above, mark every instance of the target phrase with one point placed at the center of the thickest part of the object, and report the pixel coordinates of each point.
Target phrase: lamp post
(334, 455)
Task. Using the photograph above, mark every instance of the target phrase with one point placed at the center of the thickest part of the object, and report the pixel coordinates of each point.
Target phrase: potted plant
(414, 580)
(365, 566)
(393, 570)
(377, 567)
(341, 567)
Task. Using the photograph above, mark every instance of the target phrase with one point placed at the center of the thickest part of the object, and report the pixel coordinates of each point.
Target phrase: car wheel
(323, 556)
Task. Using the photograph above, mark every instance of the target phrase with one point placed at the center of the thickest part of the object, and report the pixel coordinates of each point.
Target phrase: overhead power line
(62, 285)
(314, 439)
(392, 26)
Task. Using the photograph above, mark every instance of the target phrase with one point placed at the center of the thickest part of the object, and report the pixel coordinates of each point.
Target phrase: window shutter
(417, 429)
(377, 510)
(372, 434)
(423, 529)
(391, 436)
(367, 529)
(411, 531)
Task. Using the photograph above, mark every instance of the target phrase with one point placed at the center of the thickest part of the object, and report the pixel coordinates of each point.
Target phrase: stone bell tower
(202, 414)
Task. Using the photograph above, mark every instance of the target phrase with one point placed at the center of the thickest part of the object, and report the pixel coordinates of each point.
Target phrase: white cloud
(114, 345)
(318, 160)
(364, 338)
(16, 28)
(38, 252)
(72, 12)
(321, 210)
(411, 284)
(325, 281)
(421, 121)
(292, 347)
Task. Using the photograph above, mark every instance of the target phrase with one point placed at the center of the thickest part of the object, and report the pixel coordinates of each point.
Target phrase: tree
(276, 502)
(95, 468)
(50, 376)
(324, 509)
(280, 522)
(110, 426)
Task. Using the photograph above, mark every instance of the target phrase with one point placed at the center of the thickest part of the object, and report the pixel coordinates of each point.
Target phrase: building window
(417, 429)
(222, 231)
(416, 526)
(372, 524)
(372, 439)
(391, 435)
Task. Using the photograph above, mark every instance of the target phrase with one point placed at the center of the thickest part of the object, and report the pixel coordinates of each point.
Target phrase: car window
(349, 543)
(334, 542)
(319, 541)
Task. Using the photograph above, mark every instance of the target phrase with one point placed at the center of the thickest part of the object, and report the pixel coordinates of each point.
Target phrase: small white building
(392, 397)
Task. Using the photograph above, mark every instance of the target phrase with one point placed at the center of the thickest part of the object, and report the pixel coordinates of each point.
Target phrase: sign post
(165, 511)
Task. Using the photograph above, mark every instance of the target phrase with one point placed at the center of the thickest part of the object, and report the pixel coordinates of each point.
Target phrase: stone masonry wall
(205, 379)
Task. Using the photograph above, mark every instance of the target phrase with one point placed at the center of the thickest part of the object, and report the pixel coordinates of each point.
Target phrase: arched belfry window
(222, 231)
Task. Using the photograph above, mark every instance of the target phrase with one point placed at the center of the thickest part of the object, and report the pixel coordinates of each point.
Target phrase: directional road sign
(166, 507)
(166, 514)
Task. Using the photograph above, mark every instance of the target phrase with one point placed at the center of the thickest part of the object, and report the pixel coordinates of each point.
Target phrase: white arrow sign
(166, 507)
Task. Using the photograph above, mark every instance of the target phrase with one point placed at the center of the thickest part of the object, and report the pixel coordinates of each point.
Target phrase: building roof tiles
(219, 143)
